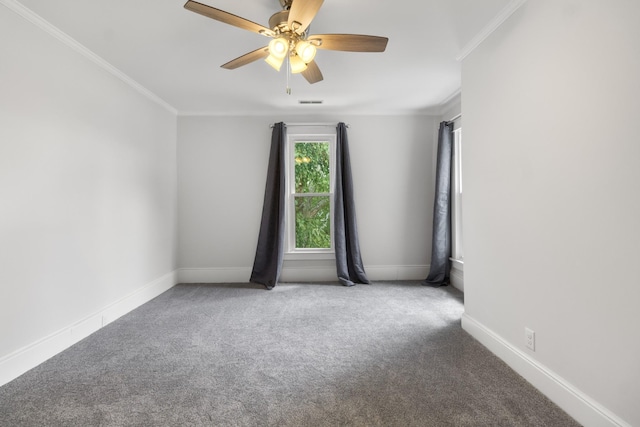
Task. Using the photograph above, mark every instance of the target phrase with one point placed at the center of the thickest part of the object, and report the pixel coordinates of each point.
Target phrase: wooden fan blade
(247, 58)
(302, 13)
(350, 42)
(226, 17)
(312, 73)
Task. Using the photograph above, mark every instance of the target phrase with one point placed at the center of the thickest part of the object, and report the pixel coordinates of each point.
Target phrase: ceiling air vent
(309, 102)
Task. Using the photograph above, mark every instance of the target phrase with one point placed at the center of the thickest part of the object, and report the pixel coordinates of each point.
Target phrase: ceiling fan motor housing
(279, 21)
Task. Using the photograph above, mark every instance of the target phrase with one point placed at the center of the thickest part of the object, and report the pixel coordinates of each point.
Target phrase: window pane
(313, 222)
(312, 167)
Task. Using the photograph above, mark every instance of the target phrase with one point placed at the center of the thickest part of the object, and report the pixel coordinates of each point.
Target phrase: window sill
(305, 256)
(457, 264)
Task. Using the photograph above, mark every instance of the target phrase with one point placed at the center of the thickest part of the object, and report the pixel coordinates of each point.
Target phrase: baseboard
(308, 273)
(397, 272)
(20, 361)
(214, 275)
(457, 279)
(303, 273)
(581, 407)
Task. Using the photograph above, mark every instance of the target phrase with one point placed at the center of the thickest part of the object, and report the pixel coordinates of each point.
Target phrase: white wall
(552, 209)
(87, 196)
(222, 164)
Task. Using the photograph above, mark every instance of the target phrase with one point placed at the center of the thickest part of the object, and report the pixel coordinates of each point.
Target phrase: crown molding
(495, 23)
(52, 30)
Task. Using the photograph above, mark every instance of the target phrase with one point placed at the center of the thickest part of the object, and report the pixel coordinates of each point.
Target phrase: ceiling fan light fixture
(275, 62)
(279, 47)
(289, 30)
(306, 51)
(297, 64)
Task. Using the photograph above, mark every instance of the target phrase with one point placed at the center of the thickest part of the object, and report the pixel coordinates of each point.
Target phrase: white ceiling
(176, 54)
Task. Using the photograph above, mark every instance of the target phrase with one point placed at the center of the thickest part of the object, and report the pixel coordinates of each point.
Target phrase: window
(310, 183)
(457, 249)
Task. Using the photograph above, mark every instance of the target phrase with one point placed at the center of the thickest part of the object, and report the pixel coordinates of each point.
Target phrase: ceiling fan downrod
(286, 4)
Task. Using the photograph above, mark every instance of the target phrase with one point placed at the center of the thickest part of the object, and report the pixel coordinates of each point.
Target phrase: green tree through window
(312, 195)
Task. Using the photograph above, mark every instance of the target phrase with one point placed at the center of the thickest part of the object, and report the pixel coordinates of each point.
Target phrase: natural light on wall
(457, 249)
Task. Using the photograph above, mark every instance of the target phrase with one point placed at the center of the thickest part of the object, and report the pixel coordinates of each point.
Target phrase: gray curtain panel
(268, 261)
(348, 258)
(441, 243)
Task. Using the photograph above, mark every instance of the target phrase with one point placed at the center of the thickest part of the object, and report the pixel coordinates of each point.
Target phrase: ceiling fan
(290, 38)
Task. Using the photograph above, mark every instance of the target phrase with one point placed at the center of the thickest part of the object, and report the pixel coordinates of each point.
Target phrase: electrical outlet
(530, 339)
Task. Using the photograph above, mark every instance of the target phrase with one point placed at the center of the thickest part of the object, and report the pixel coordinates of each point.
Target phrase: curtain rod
(310, 124)
(454, 118)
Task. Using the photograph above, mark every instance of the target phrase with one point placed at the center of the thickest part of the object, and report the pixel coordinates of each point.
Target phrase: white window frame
(457, 231)
(306, 135)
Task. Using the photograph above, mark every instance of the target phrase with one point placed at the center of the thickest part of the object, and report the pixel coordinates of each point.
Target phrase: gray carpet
(389, 354)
